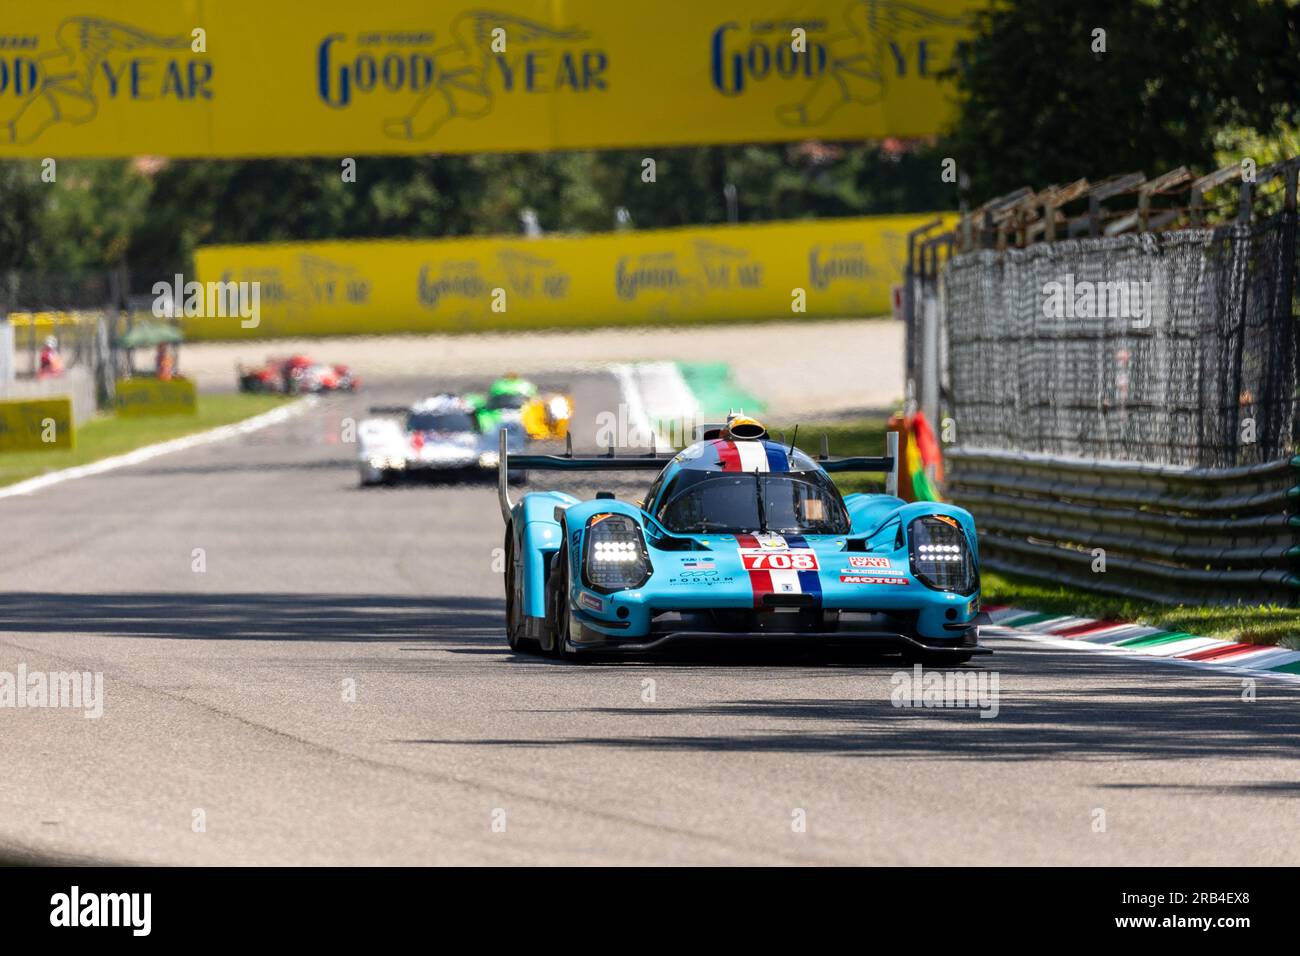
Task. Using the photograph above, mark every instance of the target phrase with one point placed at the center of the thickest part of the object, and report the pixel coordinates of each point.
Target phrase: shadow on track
(265, 617)
(1053, 705)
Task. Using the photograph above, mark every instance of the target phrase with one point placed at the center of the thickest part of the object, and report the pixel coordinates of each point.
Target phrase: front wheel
(514, 600)
(560, 618)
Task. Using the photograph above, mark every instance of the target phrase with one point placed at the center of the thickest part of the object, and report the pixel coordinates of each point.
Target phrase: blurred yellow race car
(547, 417)
(544, 416)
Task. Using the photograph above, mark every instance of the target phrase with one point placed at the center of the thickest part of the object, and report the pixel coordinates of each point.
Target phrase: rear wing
(886, 464)
(653, 461)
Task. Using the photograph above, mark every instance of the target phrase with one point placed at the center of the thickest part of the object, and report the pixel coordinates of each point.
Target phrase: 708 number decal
(779, 560)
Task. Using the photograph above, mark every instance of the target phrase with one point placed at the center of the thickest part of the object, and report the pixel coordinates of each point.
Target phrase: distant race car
(296, 375)
(436, 436)
(544, 416)
(739, 537)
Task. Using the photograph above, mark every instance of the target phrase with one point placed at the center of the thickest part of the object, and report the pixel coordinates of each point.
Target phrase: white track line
(274, 417)
(660, 386)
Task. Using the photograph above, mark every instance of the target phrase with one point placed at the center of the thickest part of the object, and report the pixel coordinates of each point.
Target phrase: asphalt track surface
(224, 694)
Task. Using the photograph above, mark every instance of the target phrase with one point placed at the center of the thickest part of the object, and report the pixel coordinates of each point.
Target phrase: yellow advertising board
(340, 78)
(138, 397)
(37, 424)
(823, 268)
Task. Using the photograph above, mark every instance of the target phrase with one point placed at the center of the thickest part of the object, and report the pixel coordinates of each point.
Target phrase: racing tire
(561, 616)
(514, 603)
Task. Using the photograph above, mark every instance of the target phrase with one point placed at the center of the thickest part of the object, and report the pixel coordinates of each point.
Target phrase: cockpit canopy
(726, 487)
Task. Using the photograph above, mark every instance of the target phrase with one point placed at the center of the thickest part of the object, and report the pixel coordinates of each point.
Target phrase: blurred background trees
(1041, 107)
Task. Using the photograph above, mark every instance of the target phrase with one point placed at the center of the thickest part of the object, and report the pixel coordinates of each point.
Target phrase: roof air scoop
(740, 426)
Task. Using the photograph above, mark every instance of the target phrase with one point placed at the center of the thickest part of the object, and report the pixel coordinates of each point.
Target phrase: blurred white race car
(436, 437)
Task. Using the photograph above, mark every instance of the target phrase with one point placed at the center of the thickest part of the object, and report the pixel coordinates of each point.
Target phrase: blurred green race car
(513, 399)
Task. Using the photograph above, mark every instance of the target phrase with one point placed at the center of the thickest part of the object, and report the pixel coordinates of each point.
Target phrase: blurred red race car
(297, 375)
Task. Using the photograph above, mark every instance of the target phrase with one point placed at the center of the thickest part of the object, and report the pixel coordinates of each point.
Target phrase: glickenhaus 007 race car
(739, 537)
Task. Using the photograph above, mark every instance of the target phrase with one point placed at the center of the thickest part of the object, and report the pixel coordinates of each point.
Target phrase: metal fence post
(929, 392)
(913, 276)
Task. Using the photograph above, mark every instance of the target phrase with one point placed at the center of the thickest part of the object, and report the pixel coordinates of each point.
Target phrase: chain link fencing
(1121, 402)
(1184, 354)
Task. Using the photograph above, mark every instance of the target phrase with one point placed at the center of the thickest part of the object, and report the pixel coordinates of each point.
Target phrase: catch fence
(1117, 388)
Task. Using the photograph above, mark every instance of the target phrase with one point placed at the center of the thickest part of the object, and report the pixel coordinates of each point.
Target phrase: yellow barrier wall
(137, 397)
(37, 424)
(340, 78)
(844, 267)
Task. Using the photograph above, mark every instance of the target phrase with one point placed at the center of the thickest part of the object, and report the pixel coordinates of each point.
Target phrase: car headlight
(489, 459)
(616, 556)
(941, 555)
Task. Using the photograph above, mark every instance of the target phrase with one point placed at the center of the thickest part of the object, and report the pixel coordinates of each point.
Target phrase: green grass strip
(109, 435)
(716, 393)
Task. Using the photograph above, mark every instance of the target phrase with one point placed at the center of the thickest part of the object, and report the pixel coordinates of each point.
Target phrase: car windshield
(507, 400)
(440, 422)
(711, 501)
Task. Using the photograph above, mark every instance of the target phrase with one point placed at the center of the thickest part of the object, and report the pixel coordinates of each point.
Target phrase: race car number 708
(779, 560)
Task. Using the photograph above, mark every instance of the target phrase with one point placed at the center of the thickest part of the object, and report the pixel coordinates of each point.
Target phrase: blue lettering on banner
(734, 64)
(19, 76)
(145, 78)
(846, 260)
(406, 63)
(339, 75)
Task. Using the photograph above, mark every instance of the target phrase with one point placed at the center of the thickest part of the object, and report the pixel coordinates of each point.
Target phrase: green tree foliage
(153, 214)
(82, 221)
(195, 202)
(1234, 144)
(1042, 107)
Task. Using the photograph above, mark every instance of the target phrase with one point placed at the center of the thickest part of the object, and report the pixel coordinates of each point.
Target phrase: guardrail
(1163, 533)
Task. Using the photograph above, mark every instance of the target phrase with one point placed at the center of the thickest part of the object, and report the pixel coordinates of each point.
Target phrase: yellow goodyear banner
(340, 78)
(37, 424)
(823, 268)
(139, 397)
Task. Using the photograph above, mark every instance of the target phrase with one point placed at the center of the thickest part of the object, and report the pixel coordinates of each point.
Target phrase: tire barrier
(1151, 532)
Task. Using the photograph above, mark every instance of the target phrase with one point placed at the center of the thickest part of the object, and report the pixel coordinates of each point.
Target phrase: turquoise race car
(738, 538)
